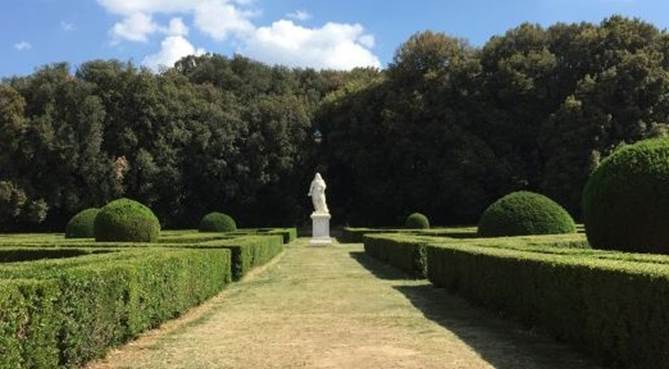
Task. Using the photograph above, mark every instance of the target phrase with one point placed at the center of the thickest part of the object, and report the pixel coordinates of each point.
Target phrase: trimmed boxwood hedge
(626, 199)
(82, 225)
(417, 221)
(126, 220)
(525, 213)
(29, 327)
(406, 254)
(217, 222)
(248, 252)
(288, 234)
(105, 300)
(613, 305)
(355, 235)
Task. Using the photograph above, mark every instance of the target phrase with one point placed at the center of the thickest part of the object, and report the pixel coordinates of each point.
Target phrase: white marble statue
(321, 215)
(317, 193)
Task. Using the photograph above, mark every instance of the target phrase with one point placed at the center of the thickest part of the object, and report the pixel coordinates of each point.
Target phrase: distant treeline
(446, 129)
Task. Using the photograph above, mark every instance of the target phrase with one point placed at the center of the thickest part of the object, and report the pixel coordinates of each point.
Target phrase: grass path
(335, 308)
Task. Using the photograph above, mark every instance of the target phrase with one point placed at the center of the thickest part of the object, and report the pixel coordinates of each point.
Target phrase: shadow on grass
(379, 268)
(503, 343)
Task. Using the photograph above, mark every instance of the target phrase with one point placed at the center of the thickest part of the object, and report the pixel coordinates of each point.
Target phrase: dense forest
(445, 129)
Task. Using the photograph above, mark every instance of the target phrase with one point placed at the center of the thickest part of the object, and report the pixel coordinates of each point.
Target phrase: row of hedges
(288, 234)
(356, 235)
(405, 254)
(248, 252)
(67, 311)
(617, 309)
(406, 251)
(614, 305)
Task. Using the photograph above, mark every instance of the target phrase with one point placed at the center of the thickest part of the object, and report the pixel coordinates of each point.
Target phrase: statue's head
(318, 177)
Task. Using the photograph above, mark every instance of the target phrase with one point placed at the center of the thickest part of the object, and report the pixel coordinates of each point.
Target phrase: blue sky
(318, 33)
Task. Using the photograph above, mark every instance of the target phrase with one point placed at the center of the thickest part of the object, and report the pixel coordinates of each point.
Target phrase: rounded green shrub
(418, 221)
(217, 222)
(126, 220)
(82, 224)
(524, 213)
(626, 199)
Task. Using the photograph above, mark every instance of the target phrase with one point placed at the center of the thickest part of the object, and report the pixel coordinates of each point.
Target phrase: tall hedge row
(98, 301)
(615, 306)
(28, 325)
(408, 255)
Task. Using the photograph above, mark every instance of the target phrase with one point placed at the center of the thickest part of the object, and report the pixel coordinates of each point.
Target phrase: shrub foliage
(125, 220)
(525, 213)
(82, 225)
(610, 306)
(417, 220)
(626, 200)
(217, 222)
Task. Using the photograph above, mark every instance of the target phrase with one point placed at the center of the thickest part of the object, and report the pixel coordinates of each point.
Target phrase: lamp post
(318, 136)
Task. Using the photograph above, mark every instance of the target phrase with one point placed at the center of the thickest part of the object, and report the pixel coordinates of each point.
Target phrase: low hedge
(28, 328)
(614, 305)
(407, 254)
(103, 300)
(288, 234)
(248, 252)
(355, 235)
(18, 254)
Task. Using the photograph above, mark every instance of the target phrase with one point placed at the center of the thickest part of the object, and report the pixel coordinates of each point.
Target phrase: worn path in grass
(336, 308)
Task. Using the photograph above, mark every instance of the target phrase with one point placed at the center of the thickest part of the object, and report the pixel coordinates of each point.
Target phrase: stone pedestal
(321, 229)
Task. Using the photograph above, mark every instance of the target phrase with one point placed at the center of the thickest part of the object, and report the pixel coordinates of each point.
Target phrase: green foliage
(406, 255)
(125, 220)
(525, 213)
(28, 326)
(288, 234)
(217, 222)
(82, 225)
(612, 305)
(533, 108)
(101, 300)
(248, 252)
(356, 235)
(626, 200)
(417, 221)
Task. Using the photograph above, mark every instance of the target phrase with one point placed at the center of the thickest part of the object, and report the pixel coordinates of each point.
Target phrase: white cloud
(300, 15)
(177, 27)
(172, 49)
(23, 45)
(220, 19)
(333, 46)
(367, 41)
(67, 27)
(135, 27)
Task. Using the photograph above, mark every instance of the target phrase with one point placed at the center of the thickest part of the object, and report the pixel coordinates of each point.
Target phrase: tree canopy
(446, 128)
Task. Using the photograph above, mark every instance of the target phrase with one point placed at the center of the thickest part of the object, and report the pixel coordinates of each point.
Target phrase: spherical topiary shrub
(82, 224)
(417, 220)
(217, 222)
(126, 220)
(524, 213)
(626, 199)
